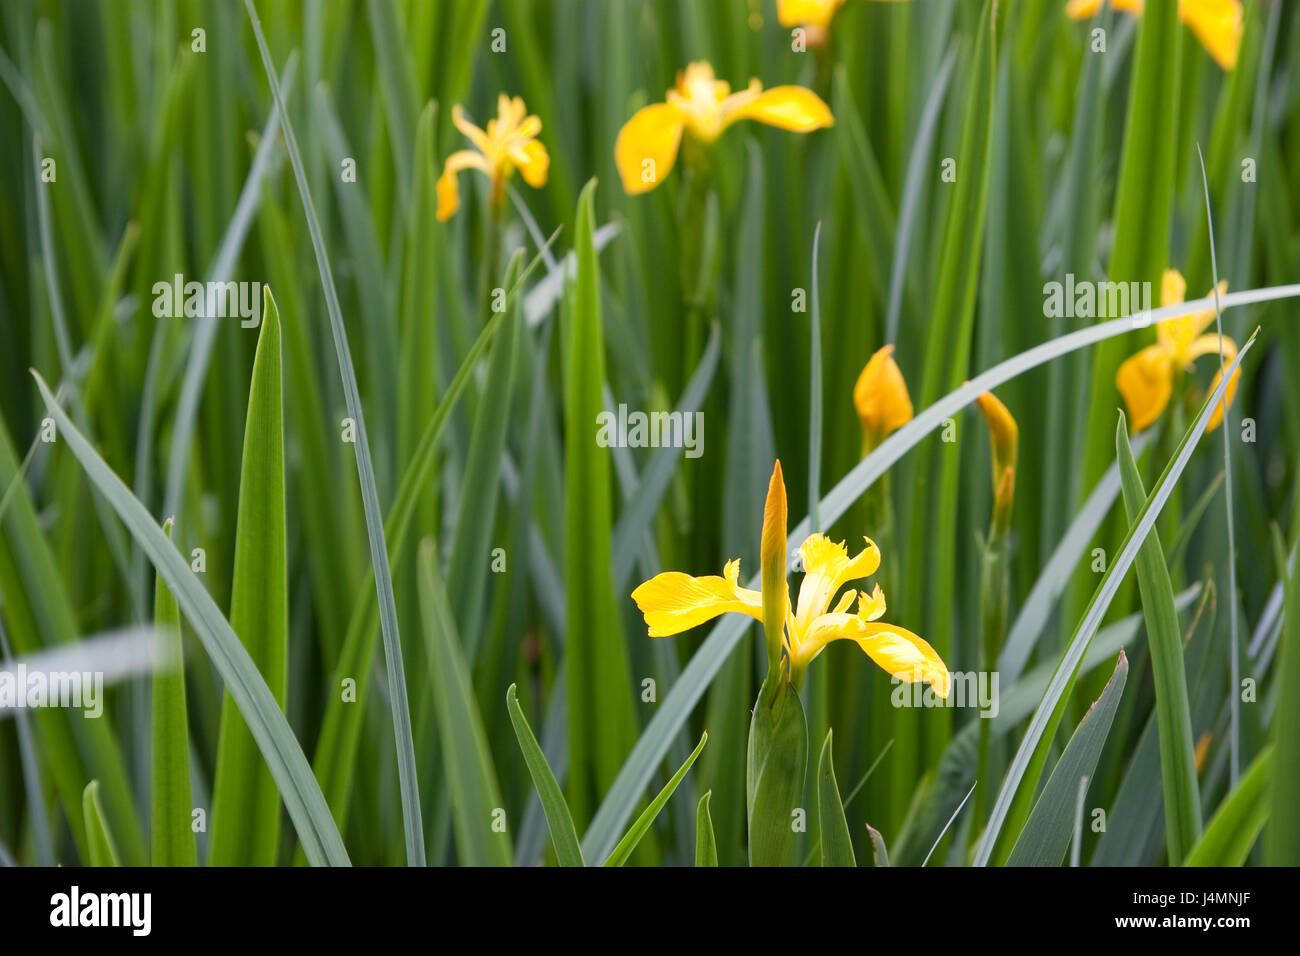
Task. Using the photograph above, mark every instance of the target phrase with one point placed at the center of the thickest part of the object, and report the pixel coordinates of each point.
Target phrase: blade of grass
(1236, 825)
(706, 848)
(172, 838)
(301, 793)
(245, 803)
(103, 851)
(638, 829)
(558, 819)
(1165, 640)
(401, 711)
(832, 827)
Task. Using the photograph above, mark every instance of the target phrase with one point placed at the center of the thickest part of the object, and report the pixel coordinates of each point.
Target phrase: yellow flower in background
(881, 398)
(509, 143)
(1004, 434)
(1146, 380)
(813, 15)
(673, 602)
(1216, 23)
(701, 107)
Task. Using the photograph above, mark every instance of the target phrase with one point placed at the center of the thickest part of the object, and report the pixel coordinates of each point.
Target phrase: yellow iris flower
(509, 143)
(881, 398)
(1146, 380)
(701, 107)
(1004, 434)
(1216, 23)
(673, 602)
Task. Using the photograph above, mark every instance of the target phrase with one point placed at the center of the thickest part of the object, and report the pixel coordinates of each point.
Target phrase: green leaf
(471, 777)
(103, 852)
(1047, 832)
(171, 800)
(1236, 825)
(706, 848)
(638, 829)
(302, 795)
(776, 762)
(836, 843)
(1165, 639)
(878, 850)
(601, 721)
(564, 836)
(401, 711)
(245, 803)
(1284, 829)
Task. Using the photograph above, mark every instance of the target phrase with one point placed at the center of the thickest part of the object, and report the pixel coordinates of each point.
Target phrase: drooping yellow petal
(1146, 380)
(807, 13)
(448, 192)
(827, 568)
(1218, 25)
(904, 655)
(471, 132)
(646, 147)
(1209, 345)
(673, 602)
(532, 161)
(786, 107)
(880, 396)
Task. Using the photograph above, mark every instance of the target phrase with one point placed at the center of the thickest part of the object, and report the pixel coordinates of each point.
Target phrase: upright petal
(673, 602)
(646, 148)
(787, 107)
(1146, 381)
(827, 568)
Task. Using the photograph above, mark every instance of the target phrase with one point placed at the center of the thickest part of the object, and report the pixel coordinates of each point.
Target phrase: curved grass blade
(1047, 832)
(879, 852)
(706, 847)
(836, 844)
(471, 777)
(245, 803)
(1165, 639)
(1284, 829)
(564, 837)
(103, 851)
(638, 829)
(31, 766)
(401, 710)
(1048, 714)
(1236, 825)
(170, 801)
(299, 789)
(676, 707)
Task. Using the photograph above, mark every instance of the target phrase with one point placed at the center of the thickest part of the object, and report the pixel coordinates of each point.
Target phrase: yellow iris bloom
(1216, 23)
(1146, 380)
(881, 397)
(673, 602)
(701, 107)
(509, 143)
(1004, 434)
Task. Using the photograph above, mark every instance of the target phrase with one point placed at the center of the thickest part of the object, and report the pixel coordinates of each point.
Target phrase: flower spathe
(1146, 379)
(702, 107)
(1216, 23)
(673, 602)
(509, 143)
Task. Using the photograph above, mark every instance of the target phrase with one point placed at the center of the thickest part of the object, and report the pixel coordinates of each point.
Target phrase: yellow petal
(1173, 287)
(1003, 432)
(448, 192)
(787, 107)
(904, 655)
(646, 147)
(827, 568)
(1209, 345)
(1146, 381)
(880, 395)
(1087, 9)
(532, 161)
(1218, 25)
(470, 131)
(807, 13)
(673, 602)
